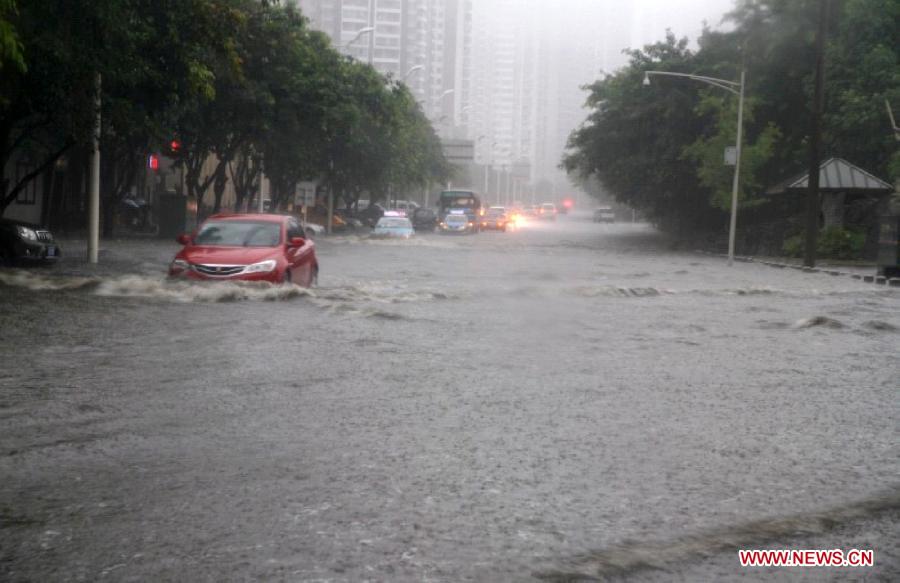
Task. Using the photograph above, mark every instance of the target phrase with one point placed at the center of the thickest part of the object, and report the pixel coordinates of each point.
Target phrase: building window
(27, 195)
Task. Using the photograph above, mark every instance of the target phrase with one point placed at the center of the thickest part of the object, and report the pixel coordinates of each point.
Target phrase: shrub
(832, 243)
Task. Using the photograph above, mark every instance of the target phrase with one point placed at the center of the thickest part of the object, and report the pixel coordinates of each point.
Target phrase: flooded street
(489, 408)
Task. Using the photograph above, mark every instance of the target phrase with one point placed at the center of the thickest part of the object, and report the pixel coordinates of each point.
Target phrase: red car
(248, 247)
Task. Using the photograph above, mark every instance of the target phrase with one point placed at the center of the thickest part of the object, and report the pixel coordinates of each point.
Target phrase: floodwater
(564, 401)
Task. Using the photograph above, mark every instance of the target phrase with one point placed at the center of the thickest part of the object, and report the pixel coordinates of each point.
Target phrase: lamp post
(412, 70)
(359, 34)
(894, 125)
(736, 88)
(93, 242)
(440, 103)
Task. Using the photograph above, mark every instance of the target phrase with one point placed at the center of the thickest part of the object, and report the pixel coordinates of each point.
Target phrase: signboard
(730, 156)
(305, 194)
(458, 151)
(307, 197)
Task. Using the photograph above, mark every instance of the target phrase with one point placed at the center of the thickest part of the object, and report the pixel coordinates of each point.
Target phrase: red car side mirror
(296, 242)
(183, 239)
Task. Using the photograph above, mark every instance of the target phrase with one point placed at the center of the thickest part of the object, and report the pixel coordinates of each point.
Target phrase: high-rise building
(532, 61)
(425, 43)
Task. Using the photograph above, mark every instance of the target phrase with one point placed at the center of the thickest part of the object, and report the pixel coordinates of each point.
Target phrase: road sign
(730, 156)
(459, 151)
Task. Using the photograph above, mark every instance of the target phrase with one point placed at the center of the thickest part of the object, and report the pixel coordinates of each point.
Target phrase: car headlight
(261, 267)
(27, 233)
(179, 265)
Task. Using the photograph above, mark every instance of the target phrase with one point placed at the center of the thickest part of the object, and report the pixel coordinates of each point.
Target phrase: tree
(675, 135)
(212, 122)
(707, 152)
(653, 124)
(47, 100)
(11, 53)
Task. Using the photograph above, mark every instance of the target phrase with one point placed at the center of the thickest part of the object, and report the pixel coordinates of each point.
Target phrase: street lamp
(412, 70)
(894, 126)
(738, 89)
(359, 35)
(440, 104)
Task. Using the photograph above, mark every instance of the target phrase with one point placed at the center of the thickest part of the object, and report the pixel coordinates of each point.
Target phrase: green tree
(653, 125)
(11, 50)
(675, 131)
(707, 152)
(47, 99)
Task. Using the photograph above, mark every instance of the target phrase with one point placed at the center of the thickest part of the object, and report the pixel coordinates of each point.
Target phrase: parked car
(407, 206)
(22, 243)
(248, 247)
(604, 214)
(393, 226)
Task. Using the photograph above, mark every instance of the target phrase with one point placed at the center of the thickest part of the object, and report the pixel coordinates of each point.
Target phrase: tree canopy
(239, 87)
(675, 130)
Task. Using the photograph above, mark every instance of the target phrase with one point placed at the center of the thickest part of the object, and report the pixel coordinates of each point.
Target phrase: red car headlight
(261, 267)
(178, 266)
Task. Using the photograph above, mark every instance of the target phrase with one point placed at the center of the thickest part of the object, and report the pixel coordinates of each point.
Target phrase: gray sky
(684, 17)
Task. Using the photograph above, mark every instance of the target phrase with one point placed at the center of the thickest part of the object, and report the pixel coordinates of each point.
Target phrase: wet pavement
(490, 408)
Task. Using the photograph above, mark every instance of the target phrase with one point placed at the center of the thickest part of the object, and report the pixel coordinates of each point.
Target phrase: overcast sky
(684, 17)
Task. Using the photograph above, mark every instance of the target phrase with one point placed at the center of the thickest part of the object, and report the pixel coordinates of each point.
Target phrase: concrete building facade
(424, 43)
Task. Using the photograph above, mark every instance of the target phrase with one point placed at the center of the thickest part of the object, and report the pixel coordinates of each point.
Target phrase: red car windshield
(239, 234)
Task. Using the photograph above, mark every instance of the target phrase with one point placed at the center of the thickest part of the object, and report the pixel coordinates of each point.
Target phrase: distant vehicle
(495, 218)
(22, 243)
(407, 206)
(466, 200)
(392, 226)
(566, 206)
(547, 211)
(248, 247)
(530, 212)
(424, 219)
(515, 215)
(604, 214)
(370, 215)
(457, 222)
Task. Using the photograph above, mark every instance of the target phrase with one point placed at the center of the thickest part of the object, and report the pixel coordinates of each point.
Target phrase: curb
(876, 279)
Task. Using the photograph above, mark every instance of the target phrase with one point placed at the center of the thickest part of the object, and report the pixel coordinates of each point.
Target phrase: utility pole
(260, 204)
(93, 243)
(735, 185)
(329, 215)
(813, 204)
